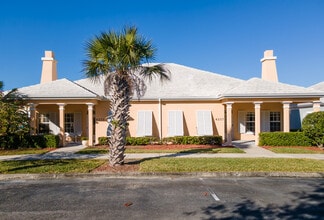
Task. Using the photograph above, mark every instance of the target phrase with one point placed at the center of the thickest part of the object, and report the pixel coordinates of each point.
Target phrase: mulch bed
(171, 147)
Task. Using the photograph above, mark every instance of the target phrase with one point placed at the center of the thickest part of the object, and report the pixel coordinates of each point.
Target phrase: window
(44, 123)
(246, 122)
(69, 122)
(250, 122)
(144, 124)
(204, 123)
(275, 121)
(175, 126)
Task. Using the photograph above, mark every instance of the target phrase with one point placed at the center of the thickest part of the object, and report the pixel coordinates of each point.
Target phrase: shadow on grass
(305, 205)
(31, 164)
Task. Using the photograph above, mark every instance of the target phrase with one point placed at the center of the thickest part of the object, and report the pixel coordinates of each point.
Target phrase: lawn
(49, 166)
(166, 165)
(231, 165)
(295, 150)
(25, 151)
(163, 149)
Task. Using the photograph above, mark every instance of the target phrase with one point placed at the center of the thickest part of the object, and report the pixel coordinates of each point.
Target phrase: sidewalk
(251, 151)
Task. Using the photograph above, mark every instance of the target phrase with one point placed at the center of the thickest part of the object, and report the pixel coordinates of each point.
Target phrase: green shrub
(283, 139)
(30, 141)
(140, 140)
(131, 140)
(214, 140)
(103, 140)
(313, 127)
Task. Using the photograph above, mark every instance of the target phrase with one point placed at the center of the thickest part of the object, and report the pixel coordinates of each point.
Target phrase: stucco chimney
(269, 69)
(49, 72)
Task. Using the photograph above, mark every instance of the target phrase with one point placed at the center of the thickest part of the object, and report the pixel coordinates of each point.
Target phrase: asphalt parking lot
(162, 198)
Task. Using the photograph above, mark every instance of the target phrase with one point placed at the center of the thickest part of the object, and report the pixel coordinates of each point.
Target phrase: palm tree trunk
(119, 105)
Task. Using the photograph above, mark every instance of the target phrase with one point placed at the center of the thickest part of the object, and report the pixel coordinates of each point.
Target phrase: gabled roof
(185, 83)
(256, 87)
(318, 86)
(62, 88)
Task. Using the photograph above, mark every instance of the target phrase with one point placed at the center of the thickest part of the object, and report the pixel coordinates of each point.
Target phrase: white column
(257, 122)
(90, 123)
(229, 124)
(316, 106)
(286, 116)
(62, 123)
(33, 118)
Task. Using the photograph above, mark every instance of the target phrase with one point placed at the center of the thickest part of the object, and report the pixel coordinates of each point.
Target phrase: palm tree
(122, 61)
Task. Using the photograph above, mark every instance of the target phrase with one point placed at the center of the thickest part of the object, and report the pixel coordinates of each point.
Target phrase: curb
(4, 177)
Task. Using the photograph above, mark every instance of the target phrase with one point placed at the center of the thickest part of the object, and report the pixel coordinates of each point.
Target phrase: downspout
(160, 118)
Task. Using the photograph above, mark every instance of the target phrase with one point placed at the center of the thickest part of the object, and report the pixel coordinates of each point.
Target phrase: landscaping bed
(166, 148)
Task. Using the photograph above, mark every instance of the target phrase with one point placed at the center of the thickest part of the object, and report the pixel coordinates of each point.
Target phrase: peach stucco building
(194, 102)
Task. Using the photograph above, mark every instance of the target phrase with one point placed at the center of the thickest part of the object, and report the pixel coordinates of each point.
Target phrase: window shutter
(144, 123)
(241, 121)
(265, 121)
(175, 123)
(204, 123)
(77, 123)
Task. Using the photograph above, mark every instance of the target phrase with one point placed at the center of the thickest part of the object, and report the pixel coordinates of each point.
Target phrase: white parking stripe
(211, 192)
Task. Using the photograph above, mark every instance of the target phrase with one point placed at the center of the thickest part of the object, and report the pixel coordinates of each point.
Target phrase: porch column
(90, 123)
(286, 116)
(257, 122)
(229, 127)
(33, 118)
(62, 123)
(316, 106)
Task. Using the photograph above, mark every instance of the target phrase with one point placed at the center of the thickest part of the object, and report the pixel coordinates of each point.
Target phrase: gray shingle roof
(256, 87)
(62, 88)
(186, 83)
(318, 86)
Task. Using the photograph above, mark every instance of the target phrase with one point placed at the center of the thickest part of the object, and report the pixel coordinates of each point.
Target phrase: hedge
(214, 140)
(131, 140)
(30, 141)
(284, 139)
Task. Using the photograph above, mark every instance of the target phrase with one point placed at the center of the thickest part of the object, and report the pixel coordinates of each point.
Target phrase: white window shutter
(175, 123)
(144, 124)
(204, 123)
(265, 121)
(77, 123)
(241, 121)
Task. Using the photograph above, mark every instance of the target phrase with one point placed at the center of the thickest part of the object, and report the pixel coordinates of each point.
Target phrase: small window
(275, 124)
(69, 122)
(250, 122)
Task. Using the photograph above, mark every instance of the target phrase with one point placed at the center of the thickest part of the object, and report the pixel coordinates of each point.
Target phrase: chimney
(269, 69)
(49, 72)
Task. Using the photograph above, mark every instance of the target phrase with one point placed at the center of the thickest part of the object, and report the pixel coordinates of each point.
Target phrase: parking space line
(211, 192)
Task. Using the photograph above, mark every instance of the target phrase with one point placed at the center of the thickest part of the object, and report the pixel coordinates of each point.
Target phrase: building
(193, 102)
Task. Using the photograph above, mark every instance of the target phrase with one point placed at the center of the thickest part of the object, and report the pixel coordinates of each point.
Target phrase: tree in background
(313, 127)
(118, 59)
(14, 121)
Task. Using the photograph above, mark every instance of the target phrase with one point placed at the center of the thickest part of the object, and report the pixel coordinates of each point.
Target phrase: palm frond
(158, 70)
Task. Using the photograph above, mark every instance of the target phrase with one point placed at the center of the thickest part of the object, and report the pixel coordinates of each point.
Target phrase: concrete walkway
(251, 151)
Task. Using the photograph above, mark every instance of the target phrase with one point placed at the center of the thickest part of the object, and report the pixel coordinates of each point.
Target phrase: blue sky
(222, 36)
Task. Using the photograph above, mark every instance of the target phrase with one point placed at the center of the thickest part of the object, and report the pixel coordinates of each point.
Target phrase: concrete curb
(4, 177)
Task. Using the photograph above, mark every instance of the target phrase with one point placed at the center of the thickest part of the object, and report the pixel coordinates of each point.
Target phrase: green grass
(25, 151)
(49, 166)
(99, 150)
(291, 150)
(231, 165)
